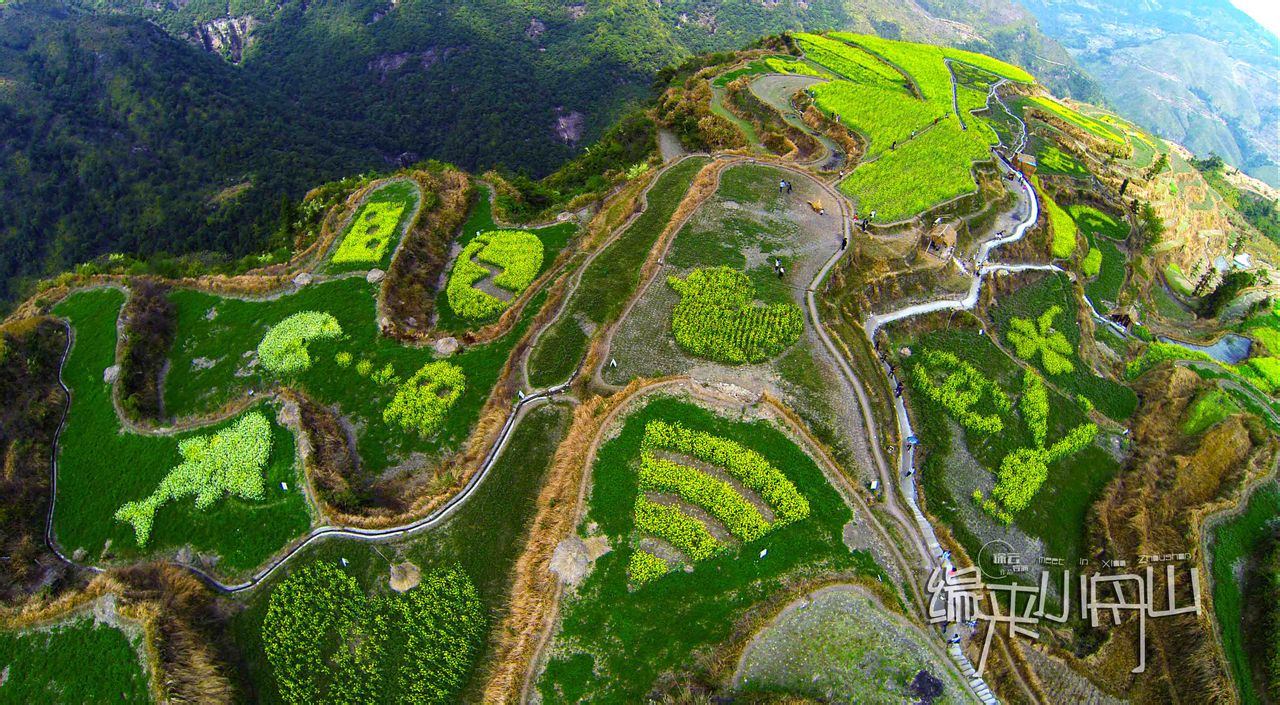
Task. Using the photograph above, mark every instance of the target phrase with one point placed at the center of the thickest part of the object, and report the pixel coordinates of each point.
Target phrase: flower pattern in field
(518, 253)
(718, 318)
(226, 463)
(283, 349)
(718, 498)
(422, 402)
(1039, 338)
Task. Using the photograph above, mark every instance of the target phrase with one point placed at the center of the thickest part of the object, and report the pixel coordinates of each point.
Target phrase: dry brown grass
(176, 614)
(535, 590)
(1158, 505)
(406, 300)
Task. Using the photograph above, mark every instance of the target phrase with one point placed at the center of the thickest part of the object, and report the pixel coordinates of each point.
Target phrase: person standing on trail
(844, 242)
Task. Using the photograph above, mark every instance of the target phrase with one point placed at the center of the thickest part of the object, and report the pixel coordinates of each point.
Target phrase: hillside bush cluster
(150, 323)
(1039, 338)
(226, 463)
(718, 319)
(961, 390)
(327, 642)
(518, 253)
(283, 349)
(422, 401)
(748, 466)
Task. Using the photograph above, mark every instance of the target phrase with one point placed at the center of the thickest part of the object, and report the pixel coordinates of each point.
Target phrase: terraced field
(919, 152)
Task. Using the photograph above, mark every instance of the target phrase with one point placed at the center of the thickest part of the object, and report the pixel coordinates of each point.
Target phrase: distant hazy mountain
(1199, 72)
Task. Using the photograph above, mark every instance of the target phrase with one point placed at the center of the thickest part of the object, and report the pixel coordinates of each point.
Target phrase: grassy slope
(100, 467)
(79, 662)
(1111, 398)
(928, 166)
(485, 537)
(554, 239)
(614, 643)
(1059, 512)
(610, 280)
(1101, 230)
(239, 326)
(1233, 543)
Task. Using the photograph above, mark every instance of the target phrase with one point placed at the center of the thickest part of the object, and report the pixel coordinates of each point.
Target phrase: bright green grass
(1208, 409)
(376, 229)
(613, 643)
(931, 163)
(484, 537)
(1084, 122)
(100, 466)
(78, 662)
(1101, 230)
(1052, 160)
(884, 116)
(988, 63)
(785, 65)
(1111, 398)
(239, 325)
(851, 63)
(1063, 227)
(921, 62)
(1059, 513)
(1106, 287)
(1095, 222)
(1269, 337)
(610, 280)
(554, 239)
(1266, 370)
(934, 167)
(1233, 543)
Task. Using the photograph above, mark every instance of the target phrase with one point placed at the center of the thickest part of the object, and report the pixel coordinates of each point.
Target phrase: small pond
(1231, 349)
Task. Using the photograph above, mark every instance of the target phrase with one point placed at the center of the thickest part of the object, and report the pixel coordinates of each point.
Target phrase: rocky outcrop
(387, 64)
(229, 37)
(570, 125)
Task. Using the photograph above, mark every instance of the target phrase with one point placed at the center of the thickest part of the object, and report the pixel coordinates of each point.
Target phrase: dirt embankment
(1157, 505)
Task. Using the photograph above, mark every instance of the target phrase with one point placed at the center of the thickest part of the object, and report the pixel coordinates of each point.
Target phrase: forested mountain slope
(150, 127)
(1198, 72)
